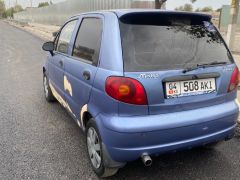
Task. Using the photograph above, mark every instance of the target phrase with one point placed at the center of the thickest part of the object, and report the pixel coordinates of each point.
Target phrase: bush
(43, 4)
(185, 7)
(207, 9)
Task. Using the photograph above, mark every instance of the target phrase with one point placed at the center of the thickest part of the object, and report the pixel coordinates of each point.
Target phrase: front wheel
(47, 90)
(95, 154)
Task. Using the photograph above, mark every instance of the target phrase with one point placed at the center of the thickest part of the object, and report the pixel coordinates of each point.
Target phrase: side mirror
(48, 46)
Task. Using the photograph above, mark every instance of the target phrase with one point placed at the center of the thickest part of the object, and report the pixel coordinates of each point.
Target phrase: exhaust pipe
(146, 159)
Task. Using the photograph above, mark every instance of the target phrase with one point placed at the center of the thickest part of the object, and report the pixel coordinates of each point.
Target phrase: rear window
(163, 42)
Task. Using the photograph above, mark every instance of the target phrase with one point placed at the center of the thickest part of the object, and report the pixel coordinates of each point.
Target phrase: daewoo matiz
(142, 82)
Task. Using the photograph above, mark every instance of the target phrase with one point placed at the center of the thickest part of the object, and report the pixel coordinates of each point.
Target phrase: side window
(65, 37)
(88, 41)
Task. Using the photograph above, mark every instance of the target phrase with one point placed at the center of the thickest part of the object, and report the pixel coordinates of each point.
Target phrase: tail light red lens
(126, 90)
(234, 80)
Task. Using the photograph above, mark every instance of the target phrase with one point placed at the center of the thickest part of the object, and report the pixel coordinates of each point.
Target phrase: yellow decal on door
(67, 85)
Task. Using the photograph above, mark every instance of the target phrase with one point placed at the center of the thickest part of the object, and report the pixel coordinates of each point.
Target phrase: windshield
(172, 44)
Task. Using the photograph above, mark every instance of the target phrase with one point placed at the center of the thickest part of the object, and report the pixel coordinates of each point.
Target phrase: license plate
(190, 87)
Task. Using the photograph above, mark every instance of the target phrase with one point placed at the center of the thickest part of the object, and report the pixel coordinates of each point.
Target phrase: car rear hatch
(180, 59)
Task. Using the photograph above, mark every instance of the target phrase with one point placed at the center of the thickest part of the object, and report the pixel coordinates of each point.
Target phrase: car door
(81, 67)
(56, 62)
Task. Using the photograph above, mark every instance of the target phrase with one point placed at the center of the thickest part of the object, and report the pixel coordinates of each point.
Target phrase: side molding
(60, 99)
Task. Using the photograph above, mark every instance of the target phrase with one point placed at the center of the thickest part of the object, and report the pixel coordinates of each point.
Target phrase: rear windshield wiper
(204, 65)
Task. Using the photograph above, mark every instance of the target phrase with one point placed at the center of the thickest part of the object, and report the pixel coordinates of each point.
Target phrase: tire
(47, 90)
(94, 151)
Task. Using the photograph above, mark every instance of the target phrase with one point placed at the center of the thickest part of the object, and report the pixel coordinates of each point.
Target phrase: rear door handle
(61, 63)
(87, 75)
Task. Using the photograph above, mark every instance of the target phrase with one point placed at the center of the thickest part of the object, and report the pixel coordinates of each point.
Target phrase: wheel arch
(85, 116)
(85, 119)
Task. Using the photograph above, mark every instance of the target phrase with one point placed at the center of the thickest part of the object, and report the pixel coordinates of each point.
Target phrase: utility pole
(159, 3)
(232, 27)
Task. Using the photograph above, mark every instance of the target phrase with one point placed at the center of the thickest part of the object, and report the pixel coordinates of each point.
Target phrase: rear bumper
(127, 138)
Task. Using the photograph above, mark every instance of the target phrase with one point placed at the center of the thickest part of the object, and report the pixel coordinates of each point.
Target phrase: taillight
(126, 90)
(234, 80)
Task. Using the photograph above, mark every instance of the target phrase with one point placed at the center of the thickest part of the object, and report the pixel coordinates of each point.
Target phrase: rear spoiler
(162, 17)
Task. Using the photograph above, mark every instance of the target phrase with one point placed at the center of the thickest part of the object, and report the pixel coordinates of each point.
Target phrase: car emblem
(148, 76)
(227, 69)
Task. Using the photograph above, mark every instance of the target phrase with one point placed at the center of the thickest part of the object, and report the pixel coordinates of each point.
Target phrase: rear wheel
(47, 90)
(95, 154)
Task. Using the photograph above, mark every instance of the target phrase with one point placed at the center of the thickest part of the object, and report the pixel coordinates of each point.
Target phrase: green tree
(180, 8)
(185, 7)
(2, 8)
(43, 4)
(9, 12)
(207, 9)
(198, 10)
(17, 8)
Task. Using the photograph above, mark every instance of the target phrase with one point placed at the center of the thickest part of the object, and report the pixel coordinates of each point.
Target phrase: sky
(171, 4)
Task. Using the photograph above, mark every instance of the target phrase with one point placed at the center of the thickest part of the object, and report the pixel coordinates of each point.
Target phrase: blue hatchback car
(142, 83)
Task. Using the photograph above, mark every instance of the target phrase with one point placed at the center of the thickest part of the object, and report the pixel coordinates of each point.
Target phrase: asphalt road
(40, 141)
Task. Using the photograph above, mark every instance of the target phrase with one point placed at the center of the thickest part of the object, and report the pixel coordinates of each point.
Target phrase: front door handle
(87, 75)
(61, 63)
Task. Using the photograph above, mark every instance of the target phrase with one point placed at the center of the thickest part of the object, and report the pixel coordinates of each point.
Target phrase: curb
(238, 131)
(238, 120)
(27, 28)
(238, 127)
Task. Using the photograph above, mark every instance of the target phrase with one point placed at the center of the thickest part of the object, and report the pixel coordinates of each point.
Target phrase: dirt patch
(40, 30)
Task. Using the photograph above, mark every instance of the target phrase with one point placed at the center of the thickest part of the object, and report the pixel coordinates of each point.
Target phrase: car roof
(122, 12)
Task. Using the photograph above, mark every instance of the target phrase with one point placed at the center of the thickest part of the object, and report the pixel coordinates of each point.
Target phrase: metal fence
(58, 13)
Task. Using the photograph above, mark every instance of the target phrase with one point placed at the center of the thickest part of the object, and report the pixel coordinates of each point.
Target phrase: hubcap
(45, 84)
(94, 149)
